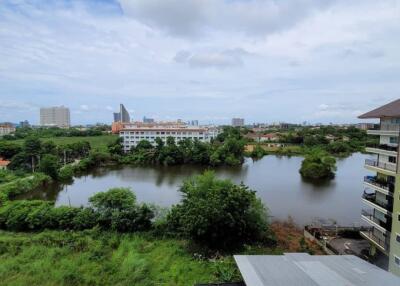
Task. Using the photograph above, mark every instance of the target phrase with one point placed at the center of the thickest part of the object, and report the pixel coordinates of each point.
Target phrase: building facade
(132, 134)
(58, 116)
(6, 129)
(237, 122)
(382, 191)
(122, 115)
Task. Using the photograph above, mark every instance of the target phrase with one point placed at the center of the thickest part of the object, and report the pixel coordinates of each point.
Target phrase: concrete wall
(394, 245)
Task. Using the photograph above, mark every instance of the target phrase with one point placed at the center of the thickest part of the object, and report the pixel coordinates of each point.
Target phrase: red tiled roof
(4, 163)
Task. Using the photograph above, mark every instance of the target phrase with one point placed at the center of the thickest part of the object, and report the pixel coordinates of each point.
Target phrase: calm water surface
(276, 180)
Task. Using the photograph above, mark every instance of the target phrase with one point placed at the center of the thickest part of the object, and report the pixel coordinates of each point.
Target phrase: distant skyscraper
(24, 123)
(122, 115)
(58, 116)
(194, 123)
(237, 122)
(148, 120)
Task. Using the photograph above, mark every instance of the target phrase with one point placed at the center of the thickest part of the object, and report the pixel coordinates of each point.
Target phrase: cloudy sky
(211, 60)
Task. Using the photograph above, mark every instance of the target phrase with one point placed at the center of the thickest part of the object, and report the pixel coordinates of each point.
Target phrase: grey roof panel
(391, 109)
(300, 269)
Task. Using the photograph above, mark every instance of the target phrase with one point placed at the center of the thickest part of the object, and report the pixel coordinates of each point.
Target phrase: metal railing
(369, 214)
(372, 198)
(387, 166)
(383, 147)
(373, 181)
(379, 241)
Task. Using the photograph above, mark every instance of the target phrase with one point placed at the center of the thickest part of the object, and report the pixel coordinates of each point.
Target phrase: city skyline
(315, 61)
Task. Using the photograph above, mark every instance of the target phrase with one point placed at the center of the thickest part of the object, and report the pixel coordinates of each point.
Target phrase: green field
(76, 258)
(96, 142)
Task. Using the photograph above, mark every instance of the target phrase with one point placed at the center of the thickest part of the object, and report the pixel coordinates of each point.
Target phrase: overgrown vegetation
(318, 165)
(219, 214)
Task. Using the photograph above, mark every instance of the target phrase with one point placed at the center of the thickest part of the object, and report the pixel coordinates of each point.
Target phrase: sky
(211, 60)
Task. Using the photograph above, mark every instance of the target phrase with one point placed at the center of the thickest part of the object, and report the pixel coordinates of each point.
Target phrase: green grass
(96, 142)
(93, 258)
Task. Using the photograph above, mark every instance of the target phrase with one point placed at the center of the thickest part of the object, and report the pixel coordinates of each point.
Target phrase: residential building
(148, 120)
(382, 191)
(194, 123)
(6, 128)
(133, 133)
(237, 122)
(24, 123)
(310, 270)
(4, 163)
(122, 115)
(58, 116)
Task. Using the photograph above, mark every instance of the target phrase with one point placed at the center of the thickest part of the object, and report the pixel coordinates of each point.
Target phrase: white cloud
(222, 57)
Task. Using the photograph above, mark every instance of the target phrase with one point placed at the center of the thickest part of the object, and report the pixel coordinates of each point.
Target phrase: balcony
(385, 129)
(368, 215)
(382, 149)
(385, 166)
(383, 207)
(382, 244)
(379, 185)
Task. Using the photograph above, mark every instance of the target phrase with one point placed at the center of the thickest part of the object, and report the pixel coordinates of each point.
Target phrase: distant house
(271, 137)
(330, 138)
(4, 164)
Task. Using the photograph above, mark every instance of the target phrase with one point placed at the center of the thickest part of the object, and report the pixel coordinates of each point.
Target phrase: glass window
(397, 237)
(393, 140)
(397, 260)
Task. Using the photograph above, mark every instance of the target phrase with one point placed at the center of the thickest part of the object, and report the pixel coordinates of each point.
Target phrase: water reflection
(276, 180)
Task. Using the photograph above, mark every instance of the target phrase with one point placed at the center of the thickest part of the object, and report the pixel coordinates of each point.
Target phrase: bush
(318, 165)
(66, 173)
(118, 210)
(219, 214)
(49, 165)
(23, 185)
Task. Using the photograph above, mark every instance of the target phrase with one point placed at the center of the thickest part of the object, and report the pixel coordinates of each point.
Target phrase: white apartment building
(6, 129)
(134, 133)
(58, 116)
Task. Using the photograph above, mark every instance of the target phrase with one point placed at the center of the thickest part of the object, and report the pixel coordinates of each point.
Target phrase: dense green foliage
(226, 149)
(219, 214)
(49, 164)
(23, 185)
(115, 209)
(318, 165)
(337, 141)
(105, 258)
(49, 132)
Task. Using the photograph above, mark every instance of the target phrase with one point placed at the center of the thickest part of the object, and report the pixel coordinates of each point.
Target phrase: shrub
(219, 214)
(49, 165)
(318, 165)
(66, 173)
(118, 210)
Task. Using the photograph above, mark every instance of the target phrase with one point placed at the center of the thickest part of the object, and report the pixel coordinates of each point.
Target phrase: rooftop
(391, 109)
(311, 270)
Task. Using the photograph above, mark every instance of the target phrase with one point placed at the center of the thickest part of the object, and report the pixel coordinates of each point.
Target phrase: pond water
(276, 180)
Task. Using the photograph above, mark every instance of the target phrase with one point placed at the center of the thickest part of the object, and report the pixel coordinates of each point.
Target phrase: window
(397, 260)
(397, 237)
(393, 140)
(392, 159)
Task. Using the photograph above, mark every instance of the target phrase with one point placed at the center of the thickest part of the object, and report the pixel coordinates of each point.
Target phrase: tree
(8, 149)
(32, 147)
(49, 165)
(219, 214)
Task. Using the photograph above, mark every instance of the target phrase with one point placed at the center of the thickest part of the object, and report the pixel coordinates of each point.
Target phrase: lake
(276, 180)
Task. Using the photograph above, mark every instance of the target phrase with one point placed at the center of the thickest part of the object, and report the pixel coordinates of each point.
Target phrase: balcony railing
(386, 166)
(389, 127)
(383, 147)
(371, 197)
(369, 214)
(379, 241)
(380, 184)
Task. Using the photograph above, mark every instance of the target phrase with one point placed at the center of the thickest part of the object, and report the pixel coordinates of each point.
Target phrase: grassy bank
(96, 142)
(106, 258)
(91, 258)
